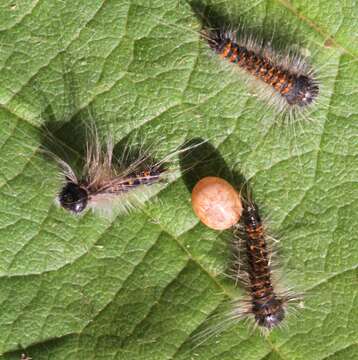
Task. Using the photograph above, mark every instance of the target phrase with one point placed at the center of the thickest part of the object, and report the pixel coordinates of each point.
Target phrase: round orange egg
(216, 203)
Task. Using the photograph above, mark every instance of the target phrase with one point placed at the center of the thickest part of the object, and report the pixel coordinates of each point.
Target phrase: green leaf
(142, 285)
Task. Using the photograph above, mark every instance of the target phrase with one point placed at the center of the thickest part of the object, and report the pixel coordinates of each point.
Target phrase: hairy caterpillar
(286, 80)
(266, 304)
(106, 181)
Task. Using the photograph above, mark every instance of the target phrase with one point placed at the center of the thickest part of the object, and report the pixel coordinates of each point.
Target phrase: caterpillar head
(73, 198)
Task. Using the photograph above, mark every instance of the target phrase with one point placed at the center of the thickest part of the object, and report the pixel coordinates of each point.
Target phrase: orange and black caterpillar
(75, 195)
(266, 306)
(289, 77)
(106, 182)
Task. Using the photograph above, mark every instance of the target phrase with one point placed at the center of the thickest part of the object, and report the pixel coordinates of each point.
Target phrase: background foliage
(139, 286)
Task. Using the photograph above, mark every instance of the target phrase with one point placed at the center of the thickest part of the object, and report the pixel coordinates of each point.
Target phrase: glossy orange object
(216, 203)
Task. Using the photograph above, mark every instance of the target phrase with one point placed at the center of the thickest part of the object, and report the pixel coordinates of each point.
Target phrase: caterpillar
(106, 183)
(288, 81)
(266, 305)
